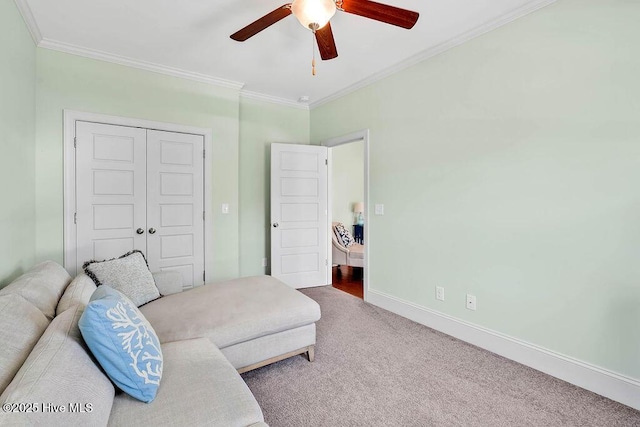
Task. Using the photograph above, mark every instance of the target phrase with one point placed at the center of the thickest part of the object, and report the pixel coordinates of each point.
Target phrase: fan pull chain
(313, 49)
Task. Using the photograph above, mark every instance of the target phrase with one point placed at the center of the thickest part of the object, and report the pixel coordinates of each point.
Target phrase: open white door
(299, 224)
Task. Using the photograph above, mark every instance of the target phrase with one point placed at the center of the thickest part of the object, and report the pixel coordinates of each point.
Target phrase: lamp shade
(310, 12)
(358, 207)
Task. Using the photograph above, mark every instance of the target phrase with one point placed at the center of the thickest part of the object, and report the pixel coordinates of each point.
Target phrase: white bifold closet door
(175, 207)
(141, 189)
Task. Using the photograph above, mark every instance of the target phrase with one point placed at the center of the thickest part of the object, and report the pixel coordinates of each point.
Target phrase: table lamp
(358, 209)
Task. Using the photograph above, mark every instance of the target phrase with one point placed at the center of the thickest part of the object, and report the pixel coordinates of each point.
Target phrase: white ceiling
(191, 38)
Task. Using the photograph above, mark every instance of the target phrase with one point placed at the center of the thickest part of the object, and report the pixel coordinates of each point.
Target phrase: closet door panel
(175, 194)
(110, 190)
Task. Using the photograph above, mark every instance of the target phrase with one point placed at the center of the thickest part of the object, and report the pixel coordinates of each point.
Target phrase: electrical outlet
(440, 293)
(471, 302)
(264, 262)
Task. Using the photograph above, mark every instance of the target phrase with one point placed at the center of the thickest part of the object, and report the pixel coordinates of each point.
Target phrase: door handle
(139, 231)
(152, 230)
(275, 225)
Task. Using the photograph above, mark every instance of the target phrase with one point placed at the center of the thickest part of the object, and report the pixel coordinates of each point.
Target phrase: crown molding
(45, 43)
(501, 20)
(273, 100)
(135, 63)
(27, 16)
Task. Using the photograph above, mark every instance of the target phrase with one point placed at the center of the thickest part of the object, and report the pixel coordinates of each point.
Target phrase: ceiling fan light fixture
(313, 14)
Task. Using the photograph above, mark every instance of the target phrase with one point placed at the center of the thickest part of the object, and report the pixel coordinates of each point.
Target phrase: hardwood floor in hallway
(349, 280)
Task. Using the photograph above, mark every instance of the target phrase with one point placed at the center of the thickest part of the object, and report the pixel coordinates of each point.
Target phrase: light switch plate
(379, 209)
(225, 208)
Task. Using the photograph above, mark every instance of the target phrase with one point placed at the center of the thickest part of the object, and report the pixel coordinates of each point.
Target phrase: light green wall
(347, 170)
(261, 124)
(71, 82)
(509, 168)
(17, 139)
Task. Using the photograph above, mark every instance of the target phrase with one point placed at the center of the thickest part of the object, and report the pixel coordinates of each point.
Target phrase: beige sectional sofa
(208, 335)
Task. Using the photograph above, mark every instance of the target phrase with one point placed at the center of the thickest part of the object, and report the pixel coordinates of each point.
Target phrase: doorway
(348, 202)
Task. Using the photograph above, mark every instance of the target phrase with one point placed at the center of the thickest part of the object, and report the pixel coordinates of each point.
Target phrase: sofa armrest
(168, 282)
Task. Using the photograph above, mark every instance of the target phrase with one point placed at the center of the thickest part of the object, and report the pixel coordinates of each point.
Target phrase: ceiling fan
(315, 15)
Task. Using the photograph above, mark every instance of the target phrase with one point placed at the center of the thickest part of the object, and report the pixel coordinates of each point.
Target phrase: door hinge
(75, 142)
(326, 162)
(204, 154)
(203, 212)
(75, 217)
(203, 276)
(326, 262)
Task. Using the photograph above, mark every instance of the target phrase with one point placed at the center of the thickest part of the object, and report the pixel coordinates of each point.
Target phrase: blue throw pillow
(123, 342)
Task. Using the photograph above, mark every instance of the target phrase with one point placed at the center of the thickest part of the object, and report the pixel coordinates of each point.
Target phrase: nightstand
(358, 233)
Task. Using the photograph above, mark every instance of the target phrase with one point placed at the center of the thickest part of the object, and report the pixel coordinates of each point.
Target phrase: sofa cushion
(124, 343)
(199, 387)
(128, 274)
(21, 325)
(60, 372)
(42, 286)
(231, 312)
(79, 291)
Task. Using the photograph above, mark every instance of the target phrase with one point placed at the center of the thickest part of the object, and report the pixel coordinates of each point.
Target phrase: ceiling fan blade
(380, 12)
(262, 23)
(326, 43)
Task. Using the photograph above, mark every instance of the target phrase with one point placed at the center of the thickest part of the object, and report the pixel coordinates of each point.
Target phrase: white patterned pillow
(124, 343)
(128, 274)
(344, 235)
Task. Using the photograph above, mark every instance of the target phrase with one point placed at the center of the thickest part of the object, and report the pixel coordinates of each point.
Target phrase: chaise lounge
(254, 321)
(207, 334)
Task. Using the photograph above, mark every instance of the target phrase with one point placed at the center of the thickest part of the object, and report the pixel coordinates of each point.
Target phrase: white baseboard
(598, 380)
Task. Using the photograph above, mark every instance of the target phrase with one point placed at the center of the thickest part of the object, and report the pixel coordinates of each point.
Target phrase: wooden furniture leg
(305, 351)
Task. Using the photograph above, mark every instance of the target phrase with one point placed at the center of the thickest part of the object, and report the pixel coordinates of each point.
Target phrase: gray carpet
(374, 368)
